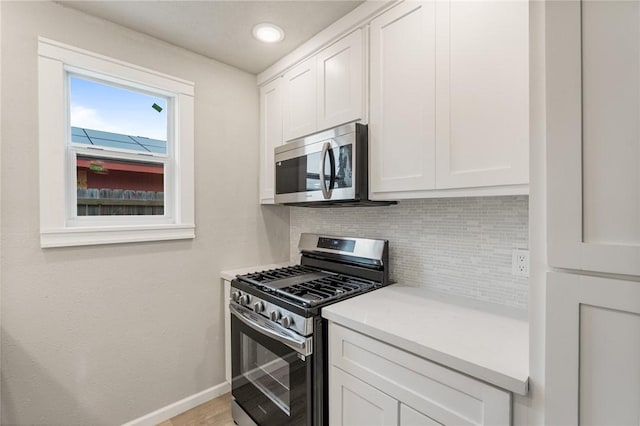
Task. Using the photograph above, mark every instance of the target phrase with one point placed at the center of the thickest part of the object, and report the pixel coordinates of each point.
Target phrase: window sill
(85, 236)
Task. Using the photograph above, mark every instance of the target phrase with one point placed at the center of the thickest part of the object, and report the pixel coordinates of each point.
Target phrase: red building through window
(112, 186)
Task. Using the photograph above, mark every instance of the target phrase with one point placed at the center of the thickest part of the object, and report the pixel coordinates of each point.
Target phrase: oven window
(302, 174)
(344, 169)
(268, 372)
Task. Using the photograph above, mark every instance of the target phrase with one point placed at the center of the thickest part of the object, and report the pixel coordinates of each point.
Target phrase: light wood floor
(215, 412)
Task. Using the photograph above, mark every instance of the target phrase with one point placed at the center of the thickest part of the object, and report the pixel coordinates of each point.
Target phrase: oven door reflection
(271, 381)
(267, 372)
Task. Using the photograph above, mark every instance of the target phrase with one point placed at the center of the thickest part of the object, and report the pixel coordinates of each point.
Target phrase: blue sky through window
(100, 106)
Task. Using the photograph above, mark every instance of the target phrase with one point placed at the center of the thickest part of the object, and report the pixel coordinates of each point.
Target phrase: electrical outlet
(520, 262)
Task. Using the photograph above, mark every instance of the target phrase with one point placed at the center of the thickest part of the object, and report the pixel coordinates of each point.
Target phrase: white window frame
(59, 224)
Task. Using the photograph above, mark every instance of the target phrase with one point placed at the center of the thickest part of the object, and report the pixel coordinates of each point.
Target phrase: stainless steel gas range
(278, 338)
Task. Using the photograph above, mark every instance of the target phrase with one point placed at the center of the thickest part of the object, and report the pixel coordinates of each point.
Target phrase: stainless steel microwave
(325, 169)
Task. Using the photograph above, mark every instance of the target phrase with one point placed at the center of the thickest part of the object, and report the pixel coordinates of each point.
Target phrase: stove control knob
(275, 315)
(245, 299)
(258, 307)
(235, 296)
(287, 321)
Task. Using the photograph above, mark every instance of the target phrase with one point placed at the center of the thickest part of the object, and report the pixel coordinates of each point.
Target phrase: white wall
(105, 334)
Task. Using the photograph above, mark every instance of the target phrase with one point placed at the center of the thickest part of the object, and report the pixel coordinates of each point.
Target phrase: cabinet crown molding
(355, 19)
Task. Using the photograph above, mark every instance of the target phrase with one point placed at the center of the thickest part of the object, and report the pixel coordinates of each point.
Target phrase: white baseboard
(172, 410)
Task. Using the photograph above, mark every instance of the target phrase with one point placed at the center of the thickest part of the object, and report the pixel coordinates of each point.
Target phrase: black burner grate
(310, 287)
(271, 275)
(325, 289)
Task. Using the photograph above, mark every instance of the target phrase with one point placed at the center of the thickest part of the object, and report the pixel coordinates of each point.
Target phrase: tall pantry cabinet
(593, 151)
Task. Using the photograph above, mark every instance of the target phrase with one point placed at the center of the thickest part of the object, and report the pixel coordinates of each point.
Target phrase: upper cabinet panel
(300, 100)
(326, 90)
(270, 136)
(482, 100)
(610, 121)
(449, 99)
(402, 99)
(593, 136)
(340, 82)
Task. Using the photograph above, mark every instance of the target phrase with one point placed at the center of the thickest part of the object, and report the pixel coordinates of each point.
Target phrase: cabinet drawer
(447, 396)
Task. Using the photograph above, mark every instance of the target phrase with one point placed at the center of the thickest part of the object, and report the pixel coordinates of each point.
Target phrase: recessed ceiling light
(268, 33)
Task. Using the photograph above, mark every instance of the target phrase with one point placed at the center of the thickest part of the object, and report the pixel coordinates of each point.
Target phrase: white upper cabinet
(482, 98)
(270, 136)
(594, 136)
(449, 99)
(340, 82)
(402, 99)
(325, 90)
(448, 95)
(300, 100)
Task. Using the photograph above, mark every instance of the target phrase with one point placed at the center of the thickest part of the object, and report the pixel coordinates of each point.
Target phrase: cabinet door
(482, 94)
(300, 100)
(411, 417)
(593, 351)
(593, 136)
(402, 99)
(270, 136)
(340, 82)
(355, 403)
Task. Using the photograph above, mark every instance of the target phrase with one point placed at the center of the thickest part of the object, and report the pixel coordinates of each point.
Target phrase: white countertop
(458, 333)
(231, 273)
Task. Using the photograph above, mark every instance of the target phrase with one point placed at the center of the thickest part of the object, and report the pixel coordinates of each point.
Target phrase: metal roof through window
(117, 140)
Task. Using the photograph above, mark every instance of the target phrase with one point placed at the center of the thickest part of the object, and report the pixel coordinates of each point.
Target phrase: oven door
(272, 370)
(319, 171)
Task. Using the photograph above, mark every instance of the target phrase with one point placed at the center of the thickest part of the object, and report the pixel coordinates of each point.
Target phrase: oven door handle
(300, 344)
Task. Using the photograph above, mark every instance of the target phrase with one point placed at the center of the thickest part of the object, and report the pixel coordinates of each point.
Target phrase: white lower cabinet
(411, 417)
(362, 404)
(358, 403)
(373, 383)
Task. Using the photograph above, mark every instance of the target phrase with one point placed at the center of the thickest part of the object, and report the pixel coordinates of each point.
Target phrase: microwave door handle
(275, 331)
(325, 192)
(332, 163)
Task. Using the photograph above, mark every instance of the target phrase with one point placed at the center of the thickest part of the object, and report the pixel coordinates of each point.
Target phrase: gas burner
(271, 275)
(306, 285)
(324, 289)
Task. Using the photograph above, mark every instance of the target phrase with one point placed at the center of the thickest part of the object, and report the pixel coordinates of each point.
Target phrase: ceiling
(222, 29)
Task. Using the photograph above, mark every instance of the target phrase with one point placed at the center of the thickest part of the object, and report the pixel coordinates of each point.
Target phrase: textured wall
(457, 245)
(104, 334)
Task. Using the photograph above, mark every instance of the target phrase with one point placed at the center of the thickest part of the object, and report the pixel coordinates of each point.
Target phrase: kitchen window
(116, 150)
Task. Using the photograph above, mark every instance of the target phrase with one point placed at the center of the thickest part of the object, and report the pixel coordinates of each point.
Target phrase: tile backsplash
(460, 246)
